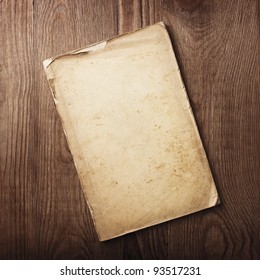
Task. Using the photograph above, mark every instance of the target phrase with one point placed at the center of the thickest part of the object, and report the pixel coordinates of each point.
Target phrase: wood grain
(43, 213)
(16, 86)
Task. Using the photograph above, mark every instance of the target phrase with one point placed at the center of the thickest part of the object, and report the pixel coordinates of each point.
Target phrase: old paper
(131, 131)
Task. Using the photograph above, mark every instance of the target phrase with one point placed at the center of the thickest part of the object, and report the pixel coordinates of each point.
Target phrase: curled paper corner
(161, 23)
(47, 62)
(215, 200)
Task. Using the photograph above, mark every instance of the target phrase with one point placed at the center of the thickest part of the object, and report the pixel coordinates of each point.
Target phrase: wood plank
(216, 44)
(16, 86)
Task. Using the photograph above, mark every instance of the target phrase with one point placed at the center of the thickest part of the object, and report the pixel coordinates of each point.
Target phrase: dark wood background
(43, 214)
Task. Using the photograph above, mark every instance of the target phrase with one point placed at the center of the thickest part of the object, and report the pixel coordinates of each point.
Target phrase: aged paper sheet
(131, 131)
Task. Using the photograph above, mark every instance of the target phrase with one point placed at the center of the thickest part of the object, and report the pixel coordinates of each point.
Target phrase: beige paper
(131, 131)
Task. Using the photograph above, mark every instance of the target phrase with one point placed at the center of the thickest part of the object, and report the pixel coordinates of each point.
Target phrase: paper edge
(215, 202)
(96, 46)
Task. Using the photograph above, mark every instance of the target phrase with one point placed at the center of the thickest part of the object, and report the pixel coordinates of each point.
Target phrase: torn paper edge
(94, 47)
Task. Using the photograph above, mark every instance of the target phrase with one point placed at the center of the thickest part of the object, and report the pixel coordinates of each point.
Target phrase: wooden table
(43, 214)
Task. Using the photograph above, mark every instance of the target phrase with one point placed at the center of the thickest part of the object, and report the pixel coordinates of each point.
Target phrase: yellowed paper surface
(131, 132)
